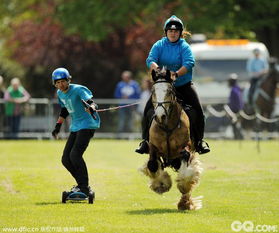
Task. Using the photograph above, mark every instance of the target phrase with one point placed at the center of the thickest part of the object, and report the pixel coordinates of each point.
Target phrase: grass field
(238, 183)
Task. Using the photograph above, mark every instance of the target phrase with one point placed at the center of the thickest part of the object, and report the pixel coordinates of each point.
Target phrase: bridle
(168, 113)
(164, 127)
(162, 103)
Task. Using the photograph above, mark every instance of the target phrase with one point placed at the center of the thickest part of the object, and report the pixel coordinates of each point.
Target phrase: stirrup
(202, 147)
(143, 148)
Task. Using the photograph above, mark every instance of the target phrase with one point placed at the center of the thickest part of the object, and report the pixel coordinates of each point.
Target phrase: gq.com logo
(248, 226)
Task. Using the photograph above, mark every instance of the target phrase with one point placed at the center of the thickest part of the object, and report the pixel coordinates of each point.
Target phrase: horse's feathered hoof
(162, 183)
(188, 203)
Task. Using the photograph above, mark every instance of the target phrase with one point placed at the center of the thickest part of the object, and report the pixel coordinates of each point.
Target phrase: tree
(95, 20)
(98, 39)
(262, 19)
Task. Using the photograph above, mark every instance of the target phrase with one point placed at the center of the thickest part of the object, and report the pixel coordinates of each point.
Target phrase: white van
(216, 59)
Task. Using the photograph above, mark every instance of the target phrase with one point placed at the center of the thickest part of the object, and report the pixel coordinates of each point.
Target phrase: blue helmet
(60, 73)
(173, 23)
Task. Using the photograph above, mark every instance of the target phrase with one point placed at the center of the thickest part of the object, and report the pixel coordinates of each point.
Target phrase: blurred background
(97, 40)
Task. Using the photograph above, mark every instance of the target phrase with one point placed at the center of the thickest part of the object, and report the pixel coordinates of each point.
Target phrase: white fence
(40, 114)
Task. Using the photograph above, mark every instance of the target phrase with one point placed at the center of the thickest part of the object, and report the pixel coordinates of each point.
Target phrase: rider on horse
(175, 54)
(256, 68)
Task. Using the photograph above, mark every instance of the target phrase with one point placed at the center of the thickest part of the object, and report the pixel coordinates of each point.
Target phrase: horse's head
(163, 95)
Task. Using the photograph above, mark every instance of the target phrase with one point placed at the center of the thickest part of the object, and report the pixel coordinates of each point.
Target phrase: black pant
(188, 95)
(72, 155)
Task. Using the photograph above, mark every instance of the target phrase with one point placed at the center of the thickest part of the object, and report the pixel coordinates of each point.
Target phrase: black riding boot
(143, 146)
(201, 146)
(145, 124)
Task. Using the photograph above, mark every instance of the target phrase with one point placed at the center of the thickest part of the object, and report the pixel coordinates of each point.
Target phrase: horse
(263, 98)
(170, 144)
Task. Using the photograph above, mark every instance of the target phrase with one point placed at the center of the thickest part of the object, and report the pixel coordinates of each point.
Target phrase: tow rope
(118, 107)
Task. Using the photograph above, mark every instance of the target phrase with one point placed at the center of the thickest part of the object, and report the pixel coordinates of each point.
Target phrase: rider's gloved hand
(56, 130)
(95, 106)
(90, 108)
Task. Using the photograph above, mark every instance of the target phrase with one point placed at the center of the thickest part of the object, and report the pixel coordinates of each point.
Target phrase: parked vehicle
(216, 59)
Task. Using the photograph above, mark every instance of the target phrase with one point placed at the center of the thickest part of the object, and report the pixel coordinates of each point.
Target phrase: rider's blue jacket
(173, 56)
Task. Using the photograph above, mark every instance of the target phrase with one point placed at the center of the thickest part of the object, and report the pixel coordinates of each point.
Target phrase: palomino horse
(170, 144)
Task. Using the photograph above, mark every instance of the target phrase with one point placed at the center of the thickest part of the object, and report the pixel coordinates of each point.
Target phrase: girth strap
(168, 134)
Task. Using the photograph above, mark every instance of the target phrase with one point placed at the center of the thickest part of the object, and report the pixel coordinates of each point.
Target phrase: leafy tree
(98, 39)
(95, 20)
(261, 17)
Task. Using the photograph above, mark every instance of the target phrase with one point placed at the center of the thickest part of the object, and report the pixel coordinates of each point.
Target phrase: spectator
(126, 89)
(2, 89)
(235, 104)
(15, 96)
(146, 86)
(2, 92)
(235, 98)
(256, 67)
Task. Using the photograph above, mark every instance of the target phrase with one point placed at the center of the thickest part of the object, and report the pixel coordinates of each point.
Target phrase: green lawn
(238, 183)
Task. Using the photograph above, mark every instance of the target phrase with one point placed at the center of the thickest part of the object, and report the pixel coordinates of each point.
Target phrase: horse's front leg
(188, 177)
(160, 180)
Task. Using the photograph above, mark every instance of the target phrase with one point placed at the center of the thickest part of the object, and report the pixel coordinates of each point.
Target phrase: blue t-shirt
(130, 90)
(173, 56)
(72, 101)
(256, 65)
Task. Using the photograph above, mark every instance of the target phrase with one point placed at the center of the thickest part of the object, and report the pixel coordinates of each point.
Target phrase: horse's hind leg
(188, 177)
(160, 180)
